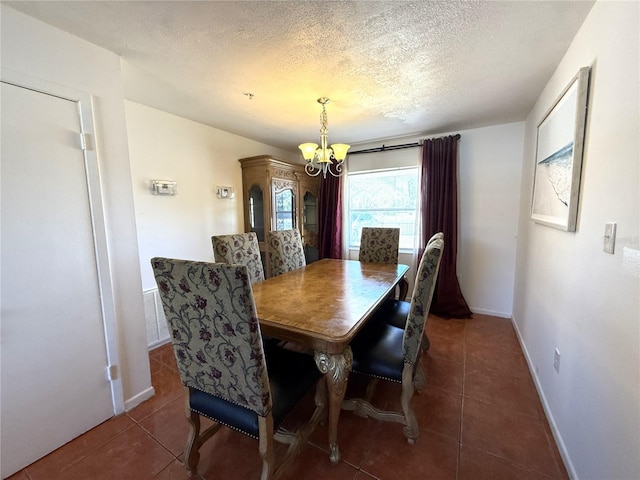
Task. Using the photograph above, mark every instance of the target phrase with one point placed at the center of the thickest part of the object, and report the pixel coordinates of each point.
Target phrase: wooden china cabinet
(279, 195)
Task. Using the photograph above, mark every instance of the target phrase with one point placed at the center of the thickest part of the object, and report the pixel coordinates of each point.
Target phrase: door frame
(84, 103)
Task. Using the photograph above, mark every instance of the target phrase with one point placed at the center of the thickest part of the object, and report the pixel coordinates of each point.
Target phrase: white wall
(489, 169)
(570, 294)
(199, 157)
(489, 194)
(33, 49)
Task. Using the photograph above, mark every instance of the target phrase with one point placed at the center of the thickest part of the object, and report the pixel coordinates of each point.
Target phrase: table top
(323, 305)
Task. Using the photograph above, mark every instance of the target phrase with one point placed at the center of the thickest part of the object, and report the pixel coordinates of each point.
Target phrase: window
(384, 198)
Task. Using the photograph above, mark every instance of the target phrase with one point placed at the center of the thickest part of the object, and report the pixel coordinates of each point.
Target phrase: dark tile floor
(480, 418)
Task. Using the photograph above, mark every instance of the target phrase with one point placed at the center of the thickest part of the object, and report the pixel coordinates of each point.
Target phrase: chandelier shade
(321, 157)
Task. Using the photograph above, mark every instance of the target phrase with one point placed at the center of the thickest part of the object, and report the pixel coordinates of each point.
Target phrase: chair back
(214, 330)
(421, 299)
(379, 245)
(286, 252)
(436, 236)
(240, 249)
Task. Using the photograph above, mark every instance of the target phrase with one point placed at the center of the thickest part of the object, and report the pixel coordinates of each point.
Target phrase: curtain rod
(385, 148)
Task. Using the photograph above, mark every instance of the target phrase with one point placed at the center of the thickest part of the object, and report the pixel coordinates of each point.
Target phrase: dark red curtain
(330, 218)
(439, 203)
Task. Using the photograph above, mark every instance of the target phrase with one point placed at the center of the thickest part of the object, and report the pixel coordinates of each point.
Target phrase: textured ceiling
(390, 68)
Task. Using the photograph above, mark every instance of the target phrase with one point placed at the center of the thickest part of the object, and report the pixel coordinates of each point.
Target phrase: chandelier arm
(311, 170)
(338, 169)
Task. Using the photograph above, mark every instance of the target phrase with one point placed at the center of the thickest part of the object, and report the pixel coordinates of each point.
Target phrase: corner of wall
(564, 453)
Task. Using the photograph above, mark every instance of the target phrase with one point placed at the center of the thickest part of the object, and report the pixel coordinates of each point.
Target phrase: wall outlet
(556, 360)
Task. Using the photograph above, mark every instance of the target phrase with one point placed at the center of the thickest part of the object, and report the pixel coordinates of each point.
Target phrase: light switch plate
(164, 187)
(609, 237)
(225, 192)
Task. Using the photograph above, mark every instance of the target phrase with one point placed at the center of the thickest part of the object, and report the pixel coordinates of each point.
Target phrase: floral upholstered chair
(436, 236)
(381, 245)
(383, 351)
(240, 249)
(398, 312)
(229, 375)
(286, 252)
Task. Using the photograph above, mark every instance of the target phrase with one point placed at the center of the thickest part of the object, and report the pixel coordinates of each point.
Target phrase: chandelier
(319, 159)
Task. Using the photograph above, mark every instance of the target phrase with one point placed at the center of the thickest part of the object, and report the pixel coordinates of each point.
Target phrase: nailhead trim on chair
(224, 423)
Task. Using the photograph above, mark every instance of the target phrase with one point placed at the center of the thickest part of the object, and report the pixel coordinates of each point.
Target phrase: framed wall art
(559, 147)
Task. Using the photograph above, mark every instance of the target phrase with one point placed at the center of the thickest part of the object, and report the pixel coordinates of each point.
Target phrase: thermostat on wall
(164, 187)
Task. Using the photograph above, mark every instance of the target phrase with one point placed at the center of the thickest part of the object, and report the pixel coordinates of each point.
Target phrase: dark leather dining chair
(240, 249)
(229, 375)
(286, 252)
(384, 351)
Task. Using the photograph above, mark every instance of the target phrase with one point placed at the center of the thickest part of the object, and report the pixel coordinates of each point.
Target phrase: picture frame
(559, 148)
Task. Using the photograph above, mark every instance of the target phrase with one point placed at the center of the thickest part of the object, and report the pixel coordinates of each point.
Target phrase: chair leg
(195, 438)
(191, 454)
(371, 389)
(425, 343)
(368, 395)
(411, 424)
(419, 378)
(296, 440)
(266, 446)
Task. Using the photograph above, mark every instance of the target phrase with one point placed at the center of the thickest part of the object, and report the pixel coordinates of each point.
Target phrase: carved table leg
(336, 370)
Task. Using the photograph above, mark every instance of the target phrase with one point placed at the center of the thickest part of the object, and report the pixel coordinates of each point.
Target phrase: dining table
(321, 307)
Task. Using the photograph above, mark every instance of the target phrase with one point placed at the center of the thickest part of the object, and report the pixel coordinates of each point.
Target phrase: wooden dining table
(322, 306)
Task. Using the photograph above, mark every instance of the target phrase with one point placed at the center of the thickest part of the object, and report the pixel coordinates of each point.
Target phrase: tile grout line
(152, 437)
(366, 455)
(550, 445)
(157, 440)
(464, 378)
(87, 453)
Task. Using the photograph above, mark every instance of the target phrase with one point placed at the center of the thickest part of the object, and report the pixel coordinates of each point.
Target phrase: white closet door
(53, 352)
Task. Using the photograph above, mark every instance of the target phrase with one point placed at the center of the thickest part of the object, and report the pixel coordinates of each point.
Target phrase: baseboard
(545, 405)
(136, 400)
(493, 313)
(158, 343)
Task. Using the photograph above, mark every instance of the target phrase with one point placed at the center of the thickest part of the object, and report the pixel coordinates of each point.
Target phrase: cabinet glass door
(285, 202)
(310, 216)
(310, 226)
(256, 211)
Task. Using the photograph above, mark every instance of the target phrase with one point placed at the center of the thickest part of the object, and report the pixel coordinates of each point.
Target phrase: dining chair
(240, 249)
(381, 245)
(436, 236)
(286, 252)
(384, 351)
(396, 312)
(229, 376)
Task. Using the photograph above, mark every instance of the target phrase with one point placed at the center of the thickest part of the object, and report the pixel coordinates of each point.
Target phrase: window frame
(353, 246)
